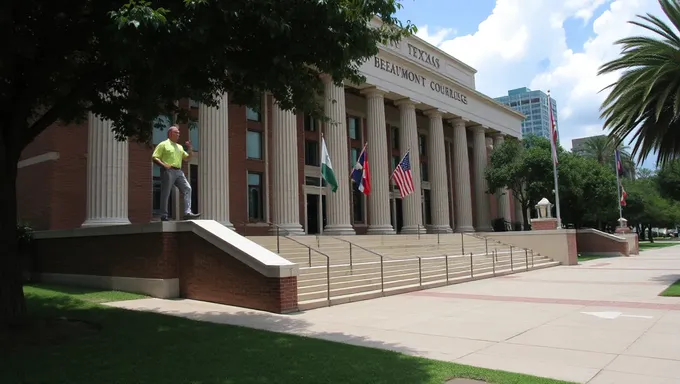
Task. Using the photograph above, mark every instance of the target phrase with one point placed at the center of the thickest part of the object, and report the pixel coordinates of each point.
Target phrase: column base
(440, 229)
(339, 230)
(381, 230)
(106, 222)
(291, 229)
(465, 229)
(413, 230)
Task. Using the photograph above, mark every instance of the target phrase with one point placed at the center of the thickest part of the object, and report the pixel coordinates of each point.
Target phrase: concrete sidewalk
(598, 322)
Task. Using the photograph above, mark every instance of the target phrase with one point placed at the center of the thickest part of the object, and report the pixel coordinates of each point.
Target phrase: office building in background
(534, 105)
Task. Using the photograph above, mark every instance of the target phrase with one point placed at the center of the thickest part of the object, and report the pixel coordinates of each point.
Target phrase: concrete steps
(409, 263)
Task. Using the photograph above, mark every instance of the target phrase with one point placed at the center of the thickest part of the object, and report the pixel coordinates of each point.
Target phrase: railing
(328, 265)
(382, 261)
(278, 231)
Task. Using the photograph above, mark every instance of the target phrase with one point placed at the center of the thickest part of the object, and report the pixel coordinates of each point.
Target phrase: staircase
(362, 267)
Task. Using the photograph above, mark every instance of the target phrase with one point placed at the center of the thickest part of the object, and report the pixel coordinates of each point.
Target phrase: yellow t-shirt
(170, 153)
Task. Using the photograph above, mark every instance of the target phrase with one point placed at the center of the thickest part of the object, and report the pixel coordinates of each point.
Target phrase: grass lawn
(673, 290)
(647, 245)
(77, 340)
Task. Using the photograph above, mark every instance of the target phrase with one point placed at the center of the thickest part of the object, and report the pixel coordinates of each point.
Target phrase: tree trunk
(525, 217)
(12, 303)
(649, 233)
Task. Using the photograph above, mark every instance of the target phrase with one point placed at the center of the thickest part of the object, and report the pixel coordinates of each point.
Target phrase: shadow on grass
(141, 347)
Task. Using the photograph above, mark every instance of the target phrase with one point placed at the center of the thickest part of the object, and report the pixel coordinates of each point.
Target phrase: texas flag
(624, 195)
(361, 174)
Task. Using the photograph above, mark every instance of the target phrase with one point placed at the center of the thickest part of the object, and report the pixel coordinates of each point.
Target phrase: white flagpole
(320, 209)
(618, 182)
(553, 144)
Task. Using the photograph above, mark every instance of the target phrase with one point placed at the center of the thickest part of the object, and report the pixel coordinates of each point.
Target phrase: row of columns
(107, 169)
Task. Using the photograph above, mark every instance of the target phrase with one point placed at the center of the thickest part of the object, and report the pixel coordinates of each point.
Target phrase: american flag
(403, 177)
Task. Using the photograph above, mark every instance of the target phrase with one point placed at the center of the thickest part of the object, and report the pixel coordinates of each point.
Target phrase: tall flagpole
(320, 209)
(617, 156)
(553, 144)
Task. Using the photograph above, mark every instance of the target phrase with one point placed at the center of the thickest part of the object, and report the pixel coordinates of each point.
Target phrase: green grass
(110, 345)
(673, 290)
(647, 245)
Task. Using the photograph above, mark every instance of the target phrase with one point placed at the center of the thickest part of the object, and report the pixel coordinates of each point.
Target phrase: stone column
(285, 183)
(408, 138)
(438, 178)
(213, 162)
(479, 161)
(461, 171)
(338, 202)
(502, 194)
(379, 199)
(107, 175)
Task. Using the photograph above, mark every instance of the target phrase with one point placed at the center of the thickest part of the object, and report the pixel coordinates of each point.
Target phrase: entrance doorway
(396, 216)
(313, 213)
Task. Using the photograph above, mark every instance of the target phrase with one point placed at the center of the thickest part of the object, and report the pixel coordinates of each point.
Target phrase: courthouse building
(415, 97)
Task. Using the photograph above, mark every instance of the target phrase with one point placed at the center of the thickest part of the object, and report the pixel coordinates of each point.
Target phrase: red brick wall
(572, 248)
(205, 272)
(543, 225)
(590, 242)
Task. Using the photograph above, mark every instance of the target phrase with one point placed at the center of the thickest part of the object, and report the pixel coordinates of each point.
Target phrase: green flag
(327, 167)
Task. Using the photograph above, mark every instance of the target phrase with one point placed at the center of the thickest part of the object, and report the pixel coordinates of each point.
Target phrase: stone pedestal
(213, 162)
(461, 171)
(379, 199)
(543, 224)
(335, 133)
(107, 176)
(438, 178)
(285, 183)
(481, 197)
(408, 139)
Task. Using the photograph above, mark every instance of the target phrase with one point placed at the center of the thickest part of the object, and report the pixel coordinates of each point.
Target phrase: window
(312, 153)
(160, 128)
(314, 181)
(310, 123)
(194, 136)
(253, 111)
(353, 157)
(357, 204)
(254, 145)
(423, 172)
(354, 126)
(422, 145)
(255, 197)
(394, 137)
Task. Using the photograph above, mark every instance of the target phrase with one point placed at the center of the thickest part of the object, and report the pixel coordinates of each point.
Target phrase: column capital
(434, 113)
(458, 121)
(478, 128)
(498, 137)
(405, 102)
(326, 78)
(373, 91)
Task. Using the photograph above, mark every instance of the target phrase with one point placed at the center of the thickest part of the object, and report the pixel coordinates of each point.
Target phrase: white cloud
(511, 47)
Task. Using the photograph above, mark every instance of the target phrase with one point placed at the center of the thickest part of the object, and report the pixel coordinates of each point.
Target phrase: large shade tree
(130, 62)
(645, 101)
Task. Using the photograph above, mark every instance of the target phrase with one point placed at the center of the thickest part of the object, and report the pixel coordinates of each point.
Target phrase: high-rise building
(534, 105)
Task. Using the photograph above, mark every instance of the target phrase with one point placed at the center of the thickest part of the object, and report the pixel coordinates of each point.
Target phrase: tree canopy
(645, 100)
(130, 62)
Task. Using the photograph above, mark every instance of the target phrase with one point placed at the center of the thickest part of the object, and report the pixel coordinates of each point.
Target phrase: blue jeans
(174, 178)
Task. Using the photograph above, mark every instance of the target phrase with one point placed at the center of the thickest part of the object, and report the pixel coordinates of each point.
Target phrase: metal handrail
(278, 232)
(328, 264)
(382, 261)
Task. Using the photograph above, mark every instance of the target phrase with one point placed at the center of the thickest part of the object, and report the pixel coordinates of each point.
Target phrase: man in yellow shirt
(169, 156)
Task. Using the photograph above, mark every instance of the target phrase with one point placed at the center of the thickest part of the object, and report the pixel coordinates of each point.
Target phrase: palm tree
(645, 100)
(602, 148)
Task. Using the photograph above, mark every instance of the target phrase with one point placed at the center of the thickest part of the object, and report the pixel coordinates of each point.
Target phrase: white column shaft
(213, 162)
(502, 194)
(107, 175)
(379, 199)
(338, 202)
(463, 206)
(438, 177)
(286, 204)
(481, 197)
(408, 138)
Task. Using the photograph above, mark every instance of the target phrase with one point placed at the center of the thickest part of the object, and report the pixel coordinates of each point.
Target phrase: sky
(555, 45)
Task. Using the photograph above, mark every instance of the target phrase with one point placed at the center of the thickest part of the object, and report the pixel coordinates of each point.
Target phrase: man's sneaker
(191, 216)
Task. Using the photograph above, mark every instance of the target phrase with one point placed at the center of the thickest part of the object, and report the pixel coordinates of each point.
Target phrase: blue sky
(540, 44)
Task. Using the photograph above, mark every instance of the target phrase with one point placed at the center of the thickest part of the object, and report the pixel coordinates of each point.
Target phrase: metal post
(382, 276)
(526, 259)
(418, 231)
(462, 244)
(318, 242)
(493, 260)
(511, 266)
(278, 249)
(328, 279)
(446, 257)
(437, 237)
(532, 258)
(420, 270)
(350, 255)
(472, 269)
(486, 245)
(309, 251)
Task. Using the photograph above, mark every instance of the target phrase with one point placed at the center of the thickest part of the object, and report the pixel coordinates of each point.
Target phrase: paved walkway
(598, 322)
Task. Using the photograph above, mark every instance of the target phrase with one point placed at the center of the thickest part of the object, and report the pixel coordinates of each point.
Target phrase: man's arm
(189, 151)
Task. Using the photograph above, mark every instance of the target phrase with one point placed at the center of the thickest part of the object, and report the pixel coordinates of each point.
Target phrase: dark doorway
(313, 213)
(193, 181)
(400, 219)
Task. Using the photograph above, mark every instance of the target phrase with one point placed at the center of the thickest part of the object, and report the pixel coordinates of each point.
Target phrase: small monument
(623, 226)
(544, 220)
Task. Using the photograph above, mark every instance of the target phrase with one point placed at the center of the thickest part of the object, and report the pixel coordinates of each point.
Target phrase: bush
(498, 224)
(24, 235)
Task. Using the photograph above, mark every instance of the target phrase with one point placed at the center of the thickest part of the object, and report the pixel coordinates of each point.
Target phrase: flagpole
(320, 209)
(618, 181)
(553, 144)
(402, 159)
